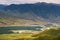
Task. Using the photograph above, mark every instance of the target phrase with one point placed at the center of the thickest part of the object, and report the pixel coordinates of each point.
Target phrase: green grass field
(15, 36)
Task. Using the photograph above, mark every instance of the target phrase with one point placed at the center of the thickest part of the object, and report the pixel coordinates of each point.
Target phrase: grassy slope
(17, 21)
(14, 36)
(51, 34)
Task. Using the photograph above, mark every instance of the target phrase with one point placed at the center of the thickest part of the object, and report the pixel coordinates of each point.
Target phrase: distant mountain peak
(46, 12)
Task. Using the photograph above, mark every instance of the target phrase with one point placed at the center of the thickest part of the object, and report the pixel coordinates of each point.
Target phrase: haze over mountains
(29, 14)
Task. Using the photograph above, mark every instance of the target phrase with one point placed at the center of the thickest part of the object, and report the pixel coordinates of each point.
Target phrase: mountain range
(29, 14)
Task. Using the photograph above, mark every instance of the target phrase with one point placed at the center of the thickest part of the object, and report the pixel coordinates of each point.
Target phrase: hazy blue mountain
(36, 12)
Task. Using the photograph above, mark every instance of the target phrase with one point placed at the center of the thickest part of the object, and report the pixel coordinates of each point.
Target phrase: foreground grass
(15, 36)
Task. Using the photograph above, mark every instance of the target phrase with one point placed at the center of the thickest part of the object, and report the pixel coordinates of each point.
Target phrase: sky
(27, 1)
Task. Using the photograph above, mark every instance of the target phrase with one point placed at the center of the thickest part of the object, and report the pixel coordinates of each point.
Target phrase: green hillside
(51, 34)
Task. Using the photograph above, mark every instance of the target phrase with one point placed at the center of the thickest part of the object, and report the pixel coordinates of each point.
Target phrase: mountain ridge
(45, 12)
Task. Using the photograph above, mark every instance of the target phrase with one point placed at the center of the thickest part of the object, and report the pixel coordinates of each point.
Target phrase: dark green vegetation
(4, 30)
(49, 34)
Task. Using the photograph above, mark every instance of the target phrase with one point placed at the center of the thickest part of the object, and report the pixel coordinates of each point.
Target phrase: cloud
(27, 1)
